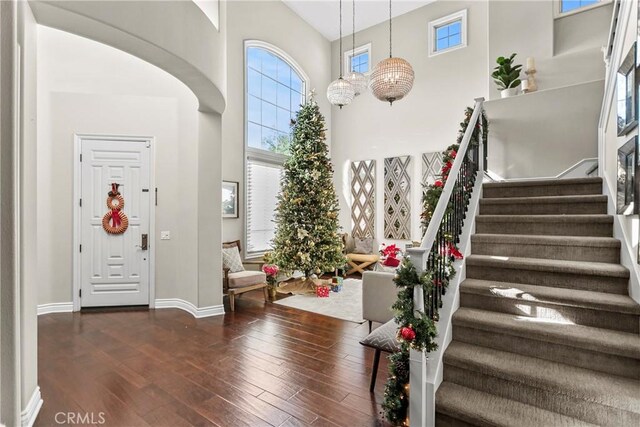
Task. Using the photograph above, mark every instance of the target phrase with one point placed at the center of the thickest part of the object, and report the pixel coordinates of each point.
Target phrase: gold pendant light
(392, 78)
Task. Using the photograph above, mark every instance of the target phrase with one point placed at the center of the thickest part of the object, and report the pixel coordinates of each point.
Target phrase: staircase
(546, 334)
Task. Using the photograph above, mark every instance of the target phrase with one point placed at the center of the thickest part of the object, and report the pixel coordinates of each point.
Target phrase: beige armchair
(379, 292)
(243, 281)
(359, 262)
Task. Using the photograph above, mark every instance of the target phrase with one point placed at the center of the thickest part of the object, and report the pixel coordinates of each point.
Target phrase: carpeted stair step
(537, 188)
(571, 248)
(590, 396)
(555, 225)
(596, 309)
(603, 350)
(588, 276)
(554, 205)
(461, 406)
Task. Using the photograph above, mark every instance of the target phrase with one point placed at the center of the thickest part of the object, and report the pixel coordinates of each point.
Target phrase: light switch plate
(165, 235)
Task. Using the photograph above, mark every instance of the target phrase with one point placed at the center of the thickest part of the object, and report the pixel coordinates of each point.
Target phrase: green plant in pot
(507, 76)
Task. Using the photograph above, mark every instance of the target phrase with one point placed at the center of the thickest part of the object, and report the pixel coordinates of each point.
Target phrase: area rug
(344, 305)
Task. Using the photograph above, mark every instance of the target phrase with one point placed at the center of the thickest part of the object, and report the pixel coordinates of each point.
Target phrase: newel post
(421, 399)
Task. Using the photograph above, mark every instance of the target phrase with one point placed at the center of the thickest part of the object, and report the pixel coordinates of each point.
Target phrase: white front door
(114, 268)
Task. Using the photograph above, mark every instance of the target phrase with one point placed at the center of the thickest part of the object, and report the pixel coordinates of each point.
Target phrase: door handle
(144, 245)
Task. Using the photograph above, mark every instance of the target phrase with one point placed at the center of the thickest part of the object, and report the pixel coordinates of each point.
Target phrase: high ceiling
(323, 15)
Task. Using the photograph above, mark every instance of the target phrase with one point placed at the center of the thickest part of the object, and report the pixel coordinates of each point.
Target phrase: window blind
(263, 186)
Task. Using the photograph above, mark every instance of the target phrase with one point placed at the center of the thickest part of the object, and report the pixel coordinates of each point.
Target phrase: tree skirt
(345, 305)
(300, 286)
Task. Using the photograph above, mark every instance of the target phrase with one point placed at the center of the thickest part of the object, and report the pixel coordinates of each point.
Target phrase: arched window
(275, 87)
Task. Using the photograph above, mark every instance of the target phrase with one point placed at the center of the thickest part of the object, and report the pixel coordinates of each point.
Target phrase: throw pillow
(363, 246)
(231, 259)
(349, 243)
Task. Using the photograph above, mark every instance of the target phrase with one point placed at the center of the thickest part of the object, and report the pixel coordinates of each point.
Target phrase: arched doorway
(195, 57)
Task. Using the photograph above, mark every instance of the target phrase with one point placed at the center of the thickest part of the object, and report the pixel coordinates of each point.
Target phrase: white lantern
(340, 92)
(359, 82)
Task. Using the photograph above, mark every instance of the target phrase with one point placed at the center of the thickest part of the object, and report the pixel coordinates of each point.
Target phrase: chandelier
(340, 92)
(392, 78)
(357, 80)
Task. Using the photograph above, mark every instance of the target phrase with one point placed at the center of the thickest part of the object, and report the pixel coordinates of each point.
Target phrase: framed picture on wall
(626, 186)
(230, 199)
(627, 106)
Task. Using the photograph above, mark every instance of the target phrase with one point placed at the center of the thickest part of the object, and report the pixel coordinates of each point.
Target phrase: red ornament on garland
(407, 333)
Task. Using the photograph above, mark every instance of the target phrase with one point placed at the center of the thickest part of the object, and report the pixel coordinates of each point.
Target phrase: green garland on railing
(420, 333)
(432, 192)
(416, 333)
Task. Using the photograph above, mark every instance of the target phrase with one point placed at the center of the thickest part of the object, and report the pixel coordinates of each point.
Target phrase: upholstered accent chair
(239, 282)
(379, 292)
(359, 262)
(381, 339)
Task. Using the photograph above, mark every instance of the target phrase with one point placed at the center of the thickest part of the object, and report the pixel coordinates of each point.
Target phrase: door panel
(114, 268)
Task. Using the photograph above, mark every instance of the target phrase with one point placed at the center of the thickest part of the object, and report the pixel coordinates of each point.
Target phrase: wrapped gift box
(336, 283)
(322, 291)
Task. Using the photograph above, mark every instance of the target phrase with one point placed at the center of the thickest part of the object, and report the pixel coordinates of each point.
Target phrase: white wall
(176, 36)
(274, 23)
(567, 49)
(88, 87)
(18, 290)
(10, 376)
(27, 35)
(626, 228)
(428, 119)
(544, 133)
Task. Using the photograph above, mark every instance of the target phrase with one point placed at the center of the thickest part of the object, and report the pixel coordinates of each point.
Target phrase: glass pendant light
(340, 92)
(357, 80)
(392, 78)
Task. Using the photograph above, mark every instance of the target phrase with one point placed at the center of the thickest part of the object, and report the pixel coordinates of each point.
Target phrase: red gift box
(322, 291)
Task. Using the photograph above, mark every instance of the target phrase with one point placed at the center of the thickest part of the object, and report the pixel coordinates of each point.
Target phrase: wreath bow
(115, 217)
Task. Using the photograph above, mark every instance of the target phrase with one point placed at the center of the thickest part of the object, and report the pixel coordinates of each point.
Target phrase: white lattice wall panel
(431, 167)
(397, 190)
(363, 188)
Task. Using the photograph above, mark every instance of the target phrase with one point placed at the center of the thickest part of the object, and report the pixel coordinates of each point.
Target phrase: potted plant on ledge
(507, 76)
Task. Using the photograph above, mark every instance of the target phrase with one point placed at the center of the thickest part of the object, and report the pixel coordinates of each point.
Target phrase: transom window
(275, 88)
(358, 59)
(571, 5)
(448, 33)
(360, 63)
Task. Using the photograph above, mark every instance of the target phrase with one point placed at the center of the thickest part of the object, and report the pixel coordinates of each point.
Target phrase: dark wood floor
(264, 365)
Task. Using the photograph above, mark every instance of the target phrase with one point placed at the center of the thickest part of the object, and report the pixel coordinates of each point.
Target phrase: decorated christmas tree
(307, 237)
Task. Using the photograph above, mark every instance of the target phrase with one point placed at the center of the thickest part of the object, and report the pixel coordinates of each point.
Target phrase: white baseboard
(30, 412)
(55, 307)
(197, 312)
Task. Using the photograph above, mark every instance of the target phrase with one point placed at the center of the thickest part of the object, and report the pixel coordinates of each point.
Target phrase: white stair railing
(447, 220)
